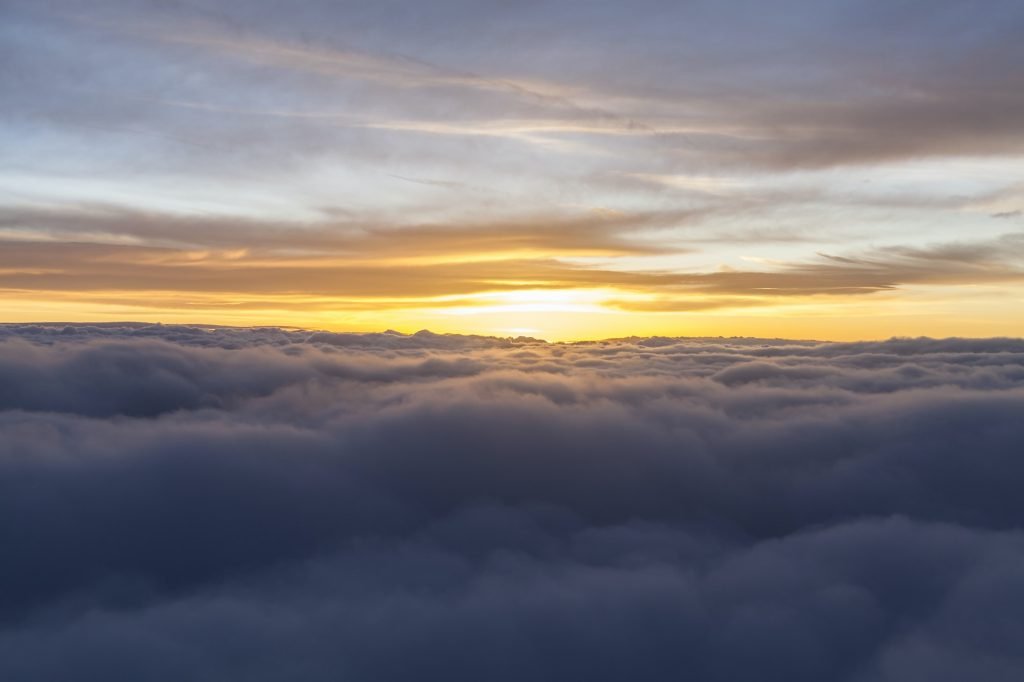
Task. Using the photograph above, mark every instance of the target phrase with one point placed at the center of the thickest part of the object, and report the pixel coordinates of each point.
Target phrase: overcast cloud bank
(267, 504)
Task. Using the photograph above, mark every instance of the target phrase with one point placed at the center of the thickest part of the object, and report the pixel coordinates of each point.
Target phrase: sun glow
(538, 301)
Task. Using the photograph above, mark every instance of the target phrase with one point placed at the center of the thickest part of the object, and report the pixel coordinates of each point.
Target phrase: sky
(566, 170)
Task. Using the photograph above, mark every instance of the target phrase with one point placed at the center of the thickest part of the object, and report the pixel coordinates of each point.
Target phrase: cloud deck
(424, 507)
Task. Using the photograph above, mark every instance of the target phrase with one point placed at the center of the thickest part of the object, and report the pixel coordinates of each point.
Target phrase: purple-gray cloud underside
(217, 503)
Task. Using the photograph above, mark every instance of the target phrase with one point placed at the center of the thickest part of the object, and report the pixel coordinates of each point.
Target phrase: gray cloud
(885, 86)
(268, 503)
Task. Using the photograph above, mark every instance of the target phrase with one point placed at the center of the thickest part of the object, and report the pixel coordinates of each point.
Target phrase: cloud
(266, 503)
(127, 257)
(571, 233)
(282, 88)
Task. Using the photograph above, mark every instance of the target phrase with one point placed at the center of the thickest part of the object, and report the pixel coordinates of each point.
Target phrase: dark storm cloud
(219, 503)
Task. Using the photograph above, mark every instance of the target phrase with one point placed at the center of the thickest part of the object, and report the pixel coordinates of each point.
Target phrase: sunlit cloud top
(570, 169)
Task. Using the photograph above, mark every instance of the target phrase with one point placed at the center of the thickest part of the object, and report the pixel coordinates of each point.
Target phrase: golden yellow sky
(559, 314)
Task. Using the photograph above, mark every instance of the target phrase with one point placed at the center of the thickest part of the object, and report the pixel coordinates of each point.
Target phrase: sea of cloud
(185, 503)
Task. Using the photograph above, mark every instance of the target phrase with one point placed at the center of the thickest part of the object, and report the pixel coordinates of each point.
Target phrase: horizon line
(522, 337)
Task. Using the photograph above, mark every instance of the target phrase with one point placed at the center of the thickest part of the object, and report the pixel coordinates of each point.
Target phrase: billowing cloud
(220, 503)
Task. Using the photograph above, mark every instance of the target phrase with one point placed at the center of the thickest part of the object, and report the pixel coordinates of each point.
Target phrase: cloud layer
(218, 503)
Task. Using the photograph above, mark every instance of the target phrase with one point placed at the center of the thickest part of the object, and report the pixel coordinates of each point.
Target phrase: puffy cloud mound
(264, 504)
